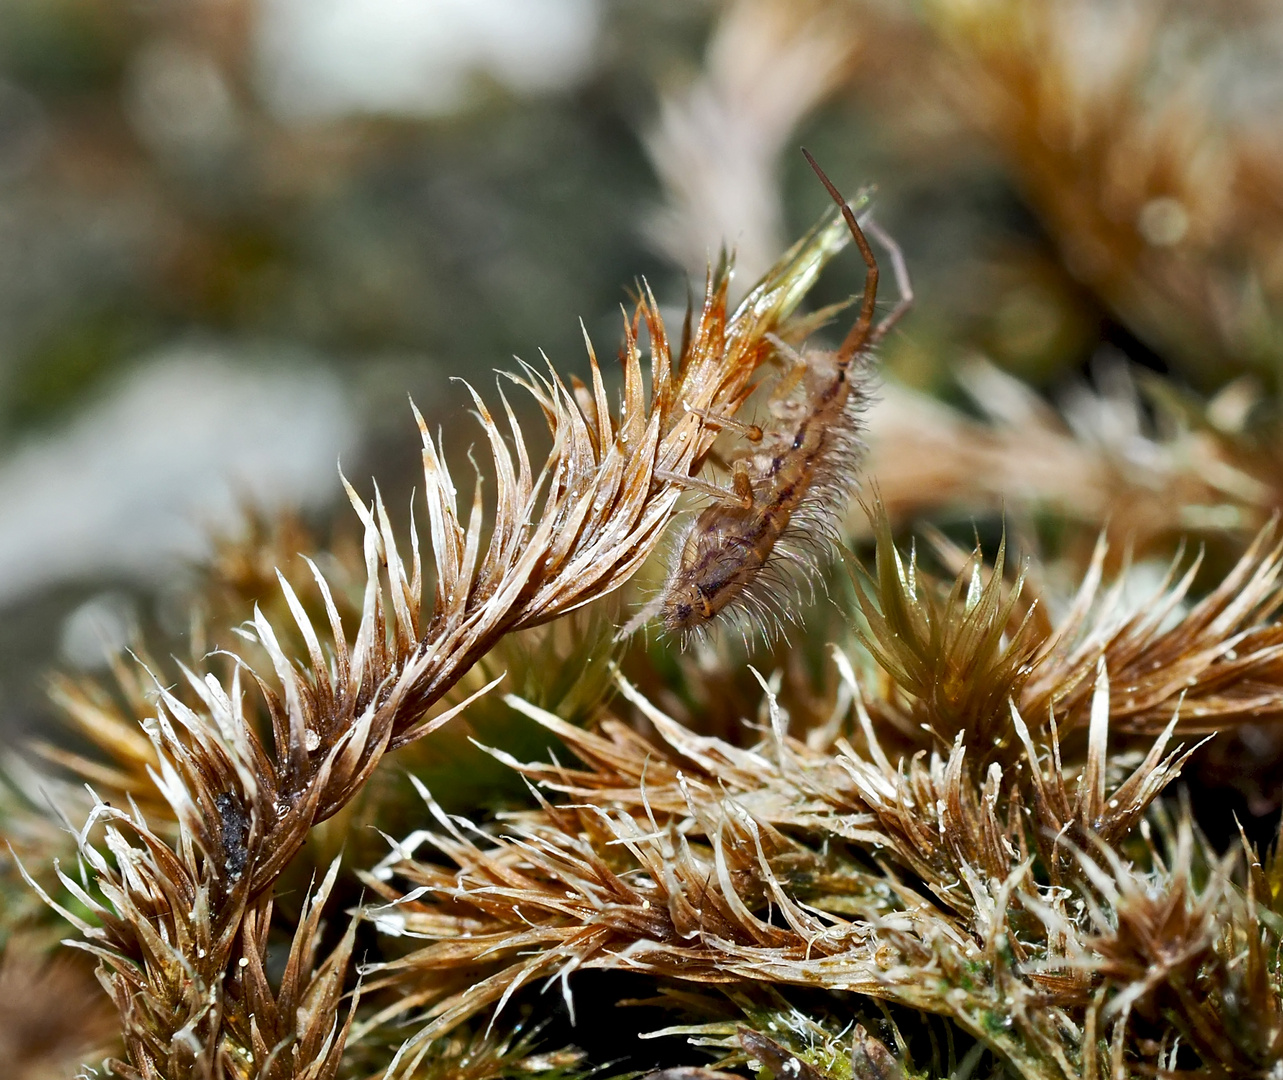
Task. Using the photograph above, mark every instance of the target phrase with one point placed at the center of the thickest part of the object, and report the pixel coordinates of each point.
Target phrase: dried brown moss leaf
(238, 802)
(957, 652)
(931, 882)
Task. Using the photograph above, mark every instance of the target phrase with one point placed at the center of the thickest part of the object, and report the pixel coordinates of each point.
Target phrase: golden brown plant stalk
(185, 904)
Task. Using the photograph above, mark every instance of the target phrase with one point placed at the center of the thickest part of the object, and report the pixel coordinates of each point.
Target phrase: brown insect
(791, 485)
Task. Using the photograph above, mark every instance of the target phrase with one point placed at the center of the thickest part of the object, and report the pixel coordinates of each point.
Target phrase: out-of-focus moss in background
(234, 236)
(235, 233)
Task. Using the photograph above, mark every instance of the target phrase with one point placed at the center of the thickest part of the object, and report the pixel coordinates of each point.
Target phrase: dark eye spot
(797, 441)
(235, 828)
(683, 611)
